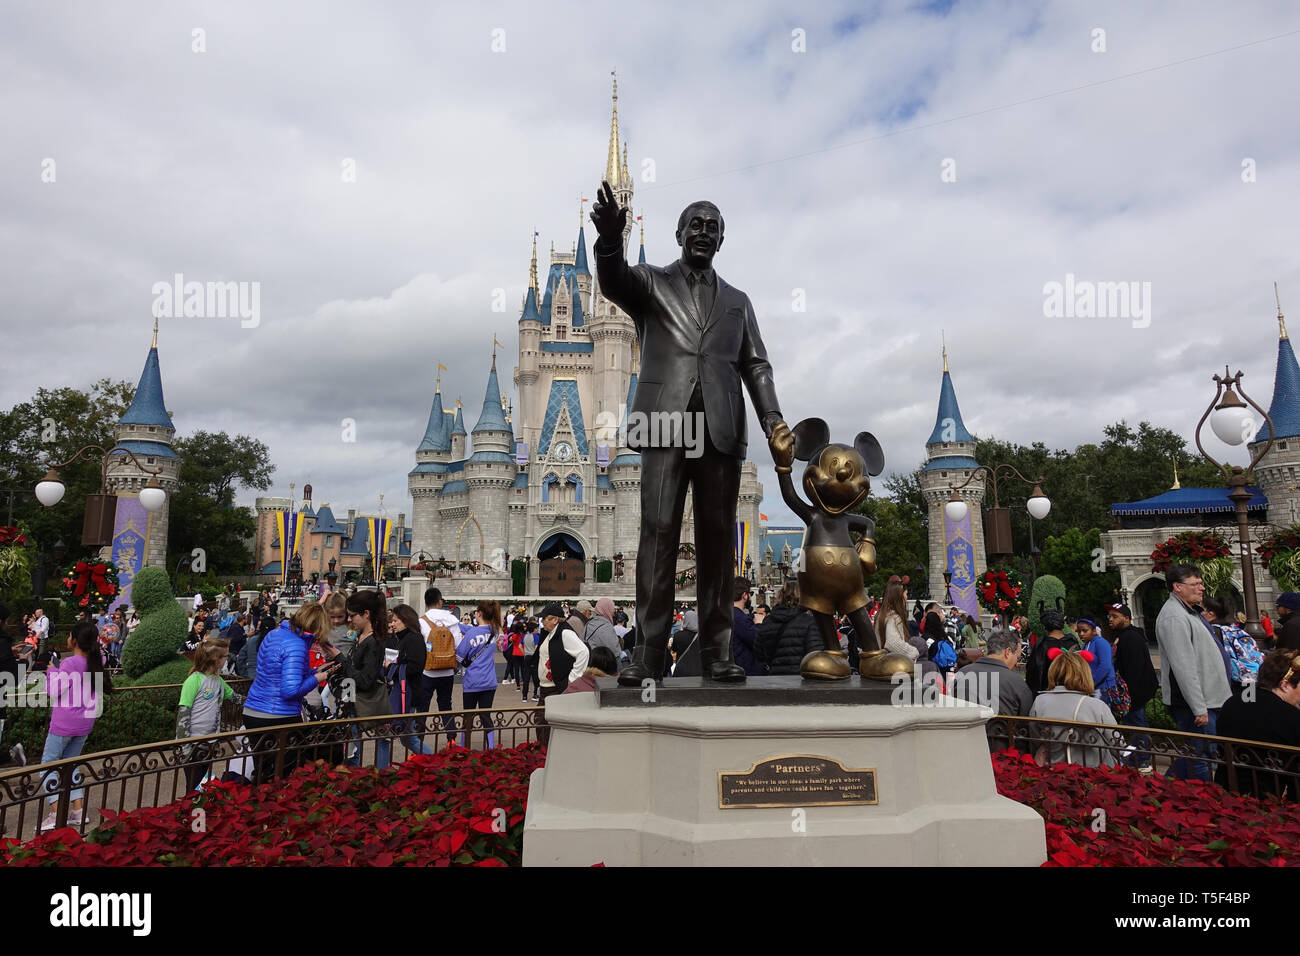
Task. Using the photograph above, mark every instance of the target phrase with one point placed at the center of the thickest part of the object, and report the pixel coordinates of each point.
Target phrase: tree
(901, 529)
(1077, 559)
(51, 427)
(203, 510)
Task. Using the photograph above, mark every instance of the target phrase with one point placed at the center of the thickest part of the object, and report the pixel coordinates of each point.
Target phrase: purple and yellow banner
(130, 545)
(959, 552)
(289, 527)
(380, 528)
(742, 545)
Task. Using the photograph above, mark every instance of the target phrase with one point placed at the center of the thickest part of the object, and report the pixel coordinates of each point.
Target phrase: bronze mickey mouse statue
(836, 479)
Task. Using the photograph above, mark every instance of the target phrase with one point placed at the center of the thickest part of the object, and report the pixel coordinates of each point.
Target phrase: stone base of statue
(776, 772)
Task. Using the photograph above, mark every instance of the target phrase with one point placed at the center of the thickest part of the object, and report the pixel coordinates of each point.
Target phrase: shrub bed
(1147, 820)
(459, 806)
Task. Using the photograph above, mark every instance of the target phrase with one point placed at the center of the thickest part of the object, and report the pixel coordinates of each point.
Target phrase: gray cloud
(226, 165)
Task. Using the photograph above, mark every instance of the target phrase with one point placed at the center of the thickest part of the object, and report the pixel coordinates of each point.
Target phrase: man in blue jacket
(744, 635)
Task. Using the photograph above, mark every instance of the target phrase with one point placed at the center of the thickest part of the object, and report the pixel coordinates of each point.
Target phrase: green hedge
(1158, 716)
(604, 572)
(163, 624)
(518, 576)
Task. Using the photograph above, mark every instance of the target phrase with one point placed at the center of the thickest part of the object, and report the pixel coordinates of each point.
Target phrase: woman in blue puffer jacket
(284, 678)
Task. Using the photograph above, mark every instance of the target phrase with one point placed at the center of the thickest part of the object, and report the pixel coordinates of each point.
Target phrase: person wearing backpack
(476, 653)
(441, 633)
(1039, 661)
(941, 649)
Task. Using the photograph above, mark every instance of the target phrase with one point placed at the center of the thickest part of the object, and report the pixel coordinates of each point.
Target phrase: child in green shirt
(199, 714)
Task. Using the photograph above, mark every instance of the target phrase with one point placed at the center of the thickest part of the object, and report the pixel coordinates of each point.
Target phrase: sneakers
(76, 817)
(535, 697)
(48, 822)
(1146, 770)
(18, 754)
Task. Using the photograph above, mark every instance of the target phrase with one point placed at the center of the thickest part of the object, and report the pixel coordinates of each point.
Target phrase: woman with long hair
(404, 637)
(476, 654)
(891, 622)
(73, 685)
(369, 618)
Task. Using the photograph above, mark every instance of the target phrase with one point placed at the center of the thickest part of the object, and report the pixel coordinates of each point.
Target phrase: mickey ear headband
(1090, 623)
(1054, 652)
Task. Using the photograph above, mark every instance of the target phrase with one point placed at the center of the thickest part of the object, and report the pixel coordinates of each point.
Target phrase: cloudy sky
(910, 167)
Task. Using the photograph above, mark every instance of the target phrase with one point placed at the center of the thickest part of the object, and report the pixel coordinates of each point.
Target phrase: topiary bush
(162, 624)
(173, 672)
(1047, 588)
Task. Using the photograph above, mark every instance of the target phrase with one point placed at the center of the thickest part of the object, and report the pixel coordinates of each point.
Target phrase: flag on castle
(742, 545)
(289, 527)
(380, 528)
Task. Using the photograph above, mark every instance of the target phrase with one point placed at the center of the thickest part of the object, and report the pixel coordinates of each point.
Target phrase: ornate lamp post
(947, 586)
(101, 508)
(331, 575)
(1232, 423)
(998, 530)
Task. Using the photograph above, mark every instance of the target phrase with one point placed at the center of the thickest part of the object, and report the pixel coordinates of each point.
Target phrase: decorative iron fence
(131, 716)
(157, 774)
(1249, 767)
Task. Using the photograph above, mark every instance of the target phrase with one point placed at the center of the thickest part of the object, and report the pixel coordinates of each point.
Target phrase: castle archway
(562, 564)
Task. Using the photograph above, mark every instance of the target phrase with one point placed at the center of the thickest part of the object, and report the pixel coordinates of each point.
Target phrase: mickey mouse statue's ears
(810, 435)
(871, 452)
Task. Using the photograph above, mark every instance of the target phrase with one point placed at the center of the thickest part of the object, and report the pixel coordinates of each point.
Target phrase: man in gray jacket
(1193, 682)
(993, 681)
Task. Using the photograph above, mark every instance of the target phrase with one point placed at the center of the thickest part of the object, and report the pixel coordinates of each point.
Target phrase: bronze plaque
(797, 780)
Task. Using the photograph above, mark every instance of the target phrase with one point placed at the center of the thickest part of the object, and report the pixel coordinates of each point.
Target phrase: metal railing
(1250, 767)
(154, 775)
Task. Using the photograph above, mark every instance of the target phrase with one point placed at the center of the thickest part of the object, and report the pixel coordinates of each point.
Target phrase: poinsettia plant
(90, 586)
(457, 807)
(1000, 590)
(1205, 549)
(1281, 552)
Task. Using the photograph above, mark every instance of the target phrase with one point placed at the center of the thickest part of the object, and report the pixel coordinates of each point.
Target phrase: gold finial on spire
(944, 338)
(1176, 484)
(532, 266)
(612, 171)
(437, 381)
(155, 327)
(1282, 323)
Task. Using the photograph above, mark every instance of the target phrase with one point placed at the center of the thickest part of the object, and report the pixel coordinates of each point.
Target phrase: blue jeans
(61, 748)
(1185, 769)
(383, 751)
(1137, 717)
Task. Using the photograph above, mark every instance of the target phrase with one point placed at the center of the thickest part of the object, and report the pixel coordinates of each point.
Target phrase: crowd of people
(357, 655)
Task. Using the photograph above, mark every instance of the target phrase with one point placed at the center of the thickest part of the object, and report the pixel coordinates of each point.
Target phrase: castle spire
(532, 267)
(147, 406)
(1282, 323)
(1176, 483)
(641, 256)
(155, 322)
(1285, 407)
(626, 177)
(613, 174)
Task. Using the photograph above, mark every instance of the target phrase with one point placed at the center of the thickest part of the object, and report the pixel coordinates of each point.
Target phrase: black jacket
(786, 636)
(1267, 718)
(410, 650)
(1133, 663)
(686, 646)
(1036, 669)
(681, 349)
(1286, 636)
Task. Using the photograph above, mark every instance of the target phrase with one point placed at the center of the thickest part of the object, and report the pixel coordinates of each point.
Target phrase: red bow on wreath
(88, 574)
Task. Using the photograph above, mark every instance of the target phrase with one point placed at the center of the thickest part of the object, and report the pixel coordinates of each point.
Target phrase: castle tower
(458, 435)
(146, 430)
(625, 477)
(433, 466)
(489, 474)
(1278, 473)
(950, 460)
(530, 345)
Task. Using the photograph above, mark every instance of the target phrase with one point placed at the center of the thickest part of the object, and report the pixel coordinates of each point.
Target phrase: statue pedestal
(761, 780)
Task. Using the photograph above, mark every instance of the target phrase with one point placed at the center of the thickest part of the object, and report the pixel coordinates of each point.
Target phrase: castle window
(148, 461)
(315, 553)
(329, 540)
(1281, 445)
(561, 332)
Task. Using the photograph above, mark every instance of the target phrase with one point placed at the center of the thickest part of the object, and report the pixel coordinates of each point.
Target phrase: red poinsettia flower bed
(458, 807)
(1118, 817)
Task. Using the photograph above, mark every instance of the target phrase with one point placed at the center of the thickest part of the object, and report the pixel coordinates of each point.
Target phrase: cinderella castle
(554, 482)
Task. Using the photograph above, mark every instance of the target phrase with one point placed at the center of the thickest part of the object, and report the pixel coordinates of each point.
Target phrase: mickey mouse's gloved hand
(781, 444)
